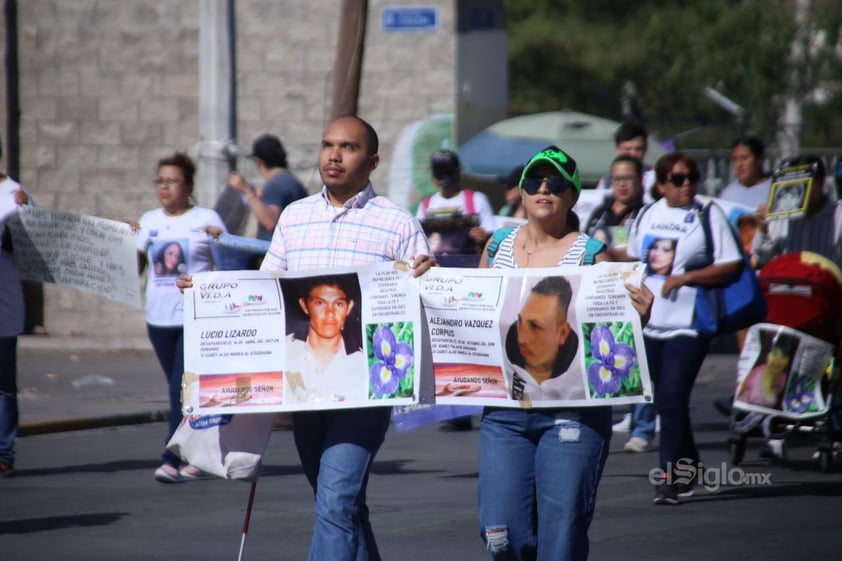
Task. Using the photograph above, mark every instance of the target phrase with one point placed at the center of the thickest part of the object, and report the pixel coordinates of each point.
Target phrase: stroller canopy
(803, 290)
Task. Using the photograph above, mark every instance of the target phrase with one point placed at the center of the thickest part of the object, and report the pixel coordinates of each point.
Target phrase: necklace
(555, 243)
(535, 249)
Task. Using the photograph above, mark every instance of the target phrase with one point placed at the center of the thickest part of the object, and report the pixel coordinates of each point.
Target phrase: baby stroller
(786, 376)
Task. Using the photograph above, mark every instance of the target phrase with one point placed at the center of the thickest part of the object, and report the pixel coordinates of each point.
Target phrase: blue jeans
(538, 475)
(337, 449)
(643, 421)
(673, 365)
(168, 343)
(8, 398)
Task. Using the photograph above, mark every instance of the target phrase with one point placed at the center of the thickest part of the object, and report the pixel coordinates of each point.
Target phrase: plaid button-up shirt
(313, 234)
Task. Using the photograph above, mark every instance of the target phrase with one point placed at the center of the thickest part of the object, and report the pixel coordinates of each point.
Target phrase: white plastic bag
(227, 446)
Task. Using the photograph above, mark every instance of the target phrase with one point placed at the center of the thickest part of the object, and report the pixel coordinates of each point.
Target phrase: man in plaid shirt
(346, 224)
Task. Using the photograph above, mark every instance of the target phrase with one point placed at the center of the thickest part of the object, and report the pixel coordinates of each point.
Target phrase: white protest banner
(780, 372)
(93, 254)
(331, 339)
(566, 336)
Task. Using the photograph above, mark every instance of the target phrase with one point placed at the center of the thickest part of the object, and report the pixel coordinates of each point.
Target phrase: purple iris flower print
(394, 359)
(613, 361)
(800, 397)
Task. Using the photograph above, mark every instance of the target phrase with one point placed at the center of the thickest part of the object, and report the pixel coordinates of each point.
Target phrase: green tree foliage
(739, 48)
(577, 54)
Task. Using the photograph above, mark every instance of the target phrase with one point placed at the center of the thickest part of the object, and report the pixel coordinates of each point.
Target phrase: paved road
(89, 494)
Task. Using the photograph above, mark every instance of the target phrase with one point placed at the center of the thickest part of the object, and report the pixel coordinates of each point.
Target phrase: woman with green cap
(539, 468)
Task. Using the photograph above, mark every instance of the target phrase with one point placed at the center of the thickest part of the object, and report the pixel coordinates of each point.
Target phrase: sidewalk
(76, 383)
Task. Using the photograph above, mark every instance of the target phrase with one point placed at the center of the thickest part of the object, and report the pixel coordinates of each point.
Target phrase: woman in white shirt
(674, 349)
(751, 185)
(173, 239)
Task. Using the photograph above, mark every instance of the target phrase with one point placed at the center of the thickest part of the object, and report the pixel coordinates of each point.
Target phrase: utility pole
(216, 102)
(12, 148)
(790, 123)
(347, 66)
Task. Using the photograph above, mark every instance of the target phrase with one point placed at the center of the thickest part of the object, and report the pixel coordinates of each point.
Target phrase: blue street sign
(410, 18)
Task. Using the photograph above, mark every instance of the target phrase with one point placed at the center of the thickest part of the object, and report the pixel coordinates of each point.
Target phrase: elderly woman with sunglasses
(539, 468)
(674, 349)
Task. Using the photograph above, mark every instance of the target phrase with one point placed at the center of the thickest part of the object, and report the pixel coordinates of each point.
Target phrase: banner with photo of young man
(259, 342)
(332, 339)
(565, 336)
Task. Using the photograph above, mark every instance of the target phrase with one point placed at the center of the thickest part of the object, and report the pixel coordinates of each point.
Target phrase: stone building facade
(109, 86)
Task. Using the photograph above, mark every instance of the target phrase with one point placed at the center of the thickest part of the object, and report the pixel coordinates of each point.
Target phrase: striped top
(820, 234)
(504, 258)
(313, 234)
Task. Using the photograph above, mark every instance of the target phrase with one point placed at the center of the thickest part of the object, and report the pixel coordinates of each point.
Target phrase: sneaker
(773, 449)
(192, 473)
(665, 495)
(7, 469)
(624, 425)
(684, 490)
(167, 474)
(637, 445)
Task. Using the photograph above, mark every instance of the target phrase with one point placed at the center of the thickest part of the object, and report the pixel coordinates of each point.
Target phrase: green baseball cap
(560, 160)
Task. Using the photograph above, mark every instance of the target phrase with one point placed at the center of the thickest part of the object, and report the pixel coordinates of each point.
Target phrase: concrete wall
(109, 86)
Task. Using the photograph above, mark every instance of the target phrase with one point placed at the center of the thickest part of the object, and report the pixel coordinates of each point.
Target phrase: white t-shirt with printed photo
(676, 239)
(173, 245)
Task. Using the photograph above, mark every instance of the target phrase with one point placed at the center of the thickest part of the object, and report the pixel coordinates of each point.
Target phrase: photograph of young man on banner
(325, 358)
(542, 344)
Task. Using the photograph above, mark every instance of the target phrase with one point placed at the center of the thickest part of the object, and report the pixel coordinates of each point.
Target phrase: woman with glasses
(674, 350)
(173, 239)
(610, 222)
(539, 468)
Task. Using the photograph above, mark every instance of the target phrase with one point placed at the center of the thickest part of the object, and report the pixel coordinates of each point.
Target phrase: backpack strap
(498, 236)
(470, 208)
(425, 204)
(593, 247)
(704, 216)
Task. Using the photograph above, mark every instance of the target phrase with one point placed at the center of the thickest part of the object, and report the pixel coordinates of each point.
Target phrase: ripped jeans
(538, 475)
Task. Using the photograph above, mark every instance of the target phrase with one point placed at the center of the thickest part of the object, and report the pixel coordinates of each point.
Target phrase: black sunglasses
(678, 179)
(555, 185)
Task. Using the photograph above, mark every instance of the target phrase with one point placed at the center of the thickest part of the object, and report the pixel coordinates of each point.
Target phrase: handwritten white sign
(93, 254)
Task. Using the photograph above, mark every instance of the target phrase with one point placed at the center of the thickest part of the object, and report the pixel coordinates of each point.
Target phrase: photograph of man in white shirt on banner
(325, 361)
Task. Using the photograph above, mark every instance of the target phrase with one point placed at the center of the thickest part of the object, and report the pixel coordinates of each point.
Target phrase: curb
(72, 343)
(86, 423)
